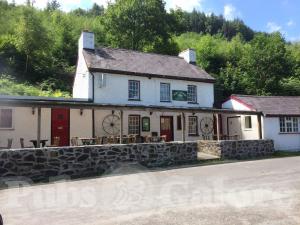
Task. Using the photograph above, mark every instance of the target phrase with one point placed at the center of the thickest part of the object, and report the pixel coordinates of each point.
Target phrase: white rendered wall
(154, 123)
(115, 91)
(290, 142)
(233, 104)
(25, 126)
(82, 87)
(81, 125)
(246, 134)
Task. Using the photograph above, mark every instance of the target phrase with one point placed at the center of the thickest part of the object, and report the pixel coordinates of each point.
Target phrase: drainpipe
(93, 99)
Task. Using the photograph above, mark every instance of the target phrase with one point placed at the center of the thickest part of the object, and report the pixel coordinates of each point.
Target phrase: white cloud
(187, 5)
(294, 39)
(291, 23)
(273, 27)
(230, 12)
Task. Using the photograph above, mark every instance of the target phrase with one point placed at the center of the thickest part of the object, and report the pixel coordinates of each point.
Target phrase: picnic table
(88, 141)
(43, 142)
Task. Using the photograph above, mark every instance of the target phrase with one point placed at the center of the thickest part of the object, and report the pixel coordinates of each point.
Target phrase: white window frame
(134, 86)
(12, 119)
(245, 123)
(289, 125)
(165, 92)
(134, 124)
(193, 126)
(192, 94)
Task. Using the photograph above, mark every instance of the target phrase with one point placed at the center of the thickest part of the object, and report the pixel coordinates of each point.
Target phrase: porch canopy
(71, 103)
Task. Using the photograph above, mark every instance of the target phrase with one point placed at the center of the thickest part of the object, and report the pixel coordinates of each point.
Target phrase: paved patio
(254, 192)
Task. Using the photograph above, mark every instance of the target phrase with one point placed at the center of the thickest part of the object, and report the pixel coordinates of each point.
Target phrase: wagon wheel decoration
(111, 124)
(207, 125)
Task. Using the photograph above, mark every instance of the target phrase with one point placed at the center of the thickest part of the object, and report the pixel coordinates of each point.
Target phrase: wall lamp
(81, 112)
(33, 110)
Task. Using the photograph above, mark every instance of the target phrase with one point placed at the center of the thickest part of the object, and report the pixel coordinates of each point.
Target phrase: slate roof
(122, 61)
(271, 105)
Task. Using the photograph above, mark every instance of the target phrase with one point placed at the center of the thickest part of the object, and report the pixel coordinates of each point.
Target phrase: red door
(166, 127)
(60, 126)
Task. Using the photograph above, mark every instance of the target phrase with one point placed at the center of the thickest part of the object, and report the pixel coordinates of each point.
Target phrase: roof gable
(271, 105)
(121, 61)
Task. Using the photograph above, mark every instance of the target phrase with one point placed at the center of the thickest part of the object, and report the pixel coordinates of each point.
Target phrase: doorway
(234, 126)
(60, 126)
(166, 127)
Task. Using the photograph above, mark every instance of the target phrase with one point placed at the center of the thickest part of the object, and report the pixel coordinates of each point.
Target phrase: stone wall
(40, 164)
(244, 149)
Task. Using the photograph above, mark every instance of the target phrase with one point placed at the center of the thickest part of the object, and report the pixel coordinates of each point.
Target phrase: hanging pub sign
(178, 95)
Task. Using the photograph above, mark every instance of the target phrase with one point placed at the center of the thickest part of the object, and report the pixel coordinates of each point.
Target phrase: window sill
(165, 101)
(289, 133)
(7, 128)
(193, 135)
(134, 100)
(193, 103)
(248, 129)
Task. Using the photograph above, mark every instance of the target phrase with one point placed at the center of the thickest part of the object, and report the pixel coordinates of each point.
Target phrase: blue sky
(260, 15)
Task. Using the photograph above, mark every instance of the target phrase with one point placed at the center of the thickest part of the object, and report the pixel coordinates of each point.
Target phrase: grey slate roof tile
(143, 64)
(272, 105)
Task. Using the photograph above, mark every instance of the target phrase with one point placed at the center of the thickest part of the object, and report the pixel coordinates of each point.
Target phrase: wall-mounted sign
(179, 95)
(145, 124)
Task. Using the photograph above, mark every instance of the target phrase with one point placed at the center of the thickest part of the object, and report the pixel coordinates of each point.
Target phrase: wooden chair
(56, 141)
(74, 141)
(164, 138)
(9, 144)
(104, 140)
(98, 141)
(23, 145)
(131, 139)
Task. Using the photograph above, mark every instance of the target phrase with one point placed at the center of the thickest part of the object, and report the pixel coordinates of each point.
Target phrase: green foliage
(137, 25)
(9, 86)
(39, 47)
(264, 66)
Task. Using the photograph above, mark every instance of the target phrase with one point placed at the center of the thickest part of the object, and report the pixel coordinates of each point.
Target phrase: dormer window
(134, 90)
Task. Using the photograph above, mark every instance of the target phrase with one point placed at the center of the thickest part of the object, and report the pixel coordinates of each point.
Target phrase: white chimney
(189, 56)
(87, 40)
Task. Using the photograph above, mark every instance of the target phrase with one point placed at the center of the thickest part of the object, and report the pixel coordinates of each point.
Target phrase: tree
(96, 10)
(52, 5)
(136, 24)
(265, 63)
(31, 37)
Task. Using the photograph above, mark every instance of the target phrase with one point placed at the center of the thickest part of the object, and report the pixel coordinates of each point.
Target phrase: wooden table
(43, 142)
(88, 141)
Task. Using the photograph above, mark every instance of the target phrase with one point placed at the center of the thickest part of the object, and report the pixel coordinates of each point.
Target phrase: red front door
(60, 126)
(166, 127)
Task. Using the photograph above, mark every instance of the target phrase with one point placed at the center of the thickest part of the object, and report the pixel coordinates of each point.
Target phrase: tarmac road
(254, 192)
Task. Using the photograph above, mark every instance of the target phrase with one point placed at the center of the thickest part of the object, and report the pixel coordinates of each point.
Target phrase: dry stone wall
(244, 149)
(41, 164)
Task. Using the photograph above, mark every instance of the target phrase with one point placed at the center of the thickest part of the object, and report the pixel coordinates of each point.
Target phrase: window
(165, 92)
(248, 122)
(134, 125)
(146, 124)
(192, 94)
(6, 119)
(289, 124)
(179, 125)
(193, 125)
(134, 90)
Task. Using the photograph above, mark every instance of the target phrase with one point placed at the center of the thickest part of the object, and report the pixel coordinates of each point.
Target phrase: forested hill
(38, 48)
